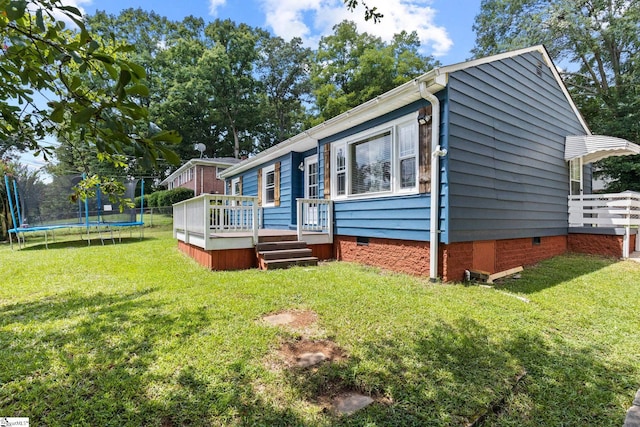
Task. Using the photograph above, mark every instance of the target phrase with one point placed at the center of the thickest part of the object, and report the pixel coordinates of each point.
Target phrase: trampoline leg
(10, 241)
(46, 239)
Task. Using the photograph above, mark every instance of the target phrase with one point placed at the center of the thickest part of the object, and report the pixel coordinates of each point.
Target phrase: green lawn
(138, 334)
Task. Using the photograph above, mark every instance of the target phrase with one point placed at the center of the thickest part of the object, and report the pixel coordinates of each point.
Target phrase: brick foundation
(398, 255)
(516, 252)
(453, 259)
(600, 244)
(413, 257)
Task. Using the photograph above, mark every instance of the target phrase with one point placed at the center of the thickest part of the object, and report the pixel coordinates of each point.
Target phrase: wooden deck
(236, 251)
(264, 235)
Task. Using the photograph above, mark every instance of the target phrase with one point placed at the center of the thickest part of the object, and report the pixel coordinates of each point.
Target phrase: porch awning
(597, 147)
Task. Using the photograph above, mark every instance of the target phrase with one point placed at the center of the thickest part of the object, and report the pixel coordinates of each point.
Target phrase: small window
(407, 137)
(236, 190)
(575, 175)
(269, 186)
(341, 172)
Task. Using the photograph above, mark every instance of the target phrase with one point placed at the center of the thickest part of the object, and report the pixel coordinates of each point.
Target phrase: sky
(444, 26)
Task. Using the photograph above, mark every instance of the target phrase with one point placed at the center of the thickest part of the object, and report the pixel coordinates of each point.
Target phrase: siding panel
(507, 174)
(402, 217)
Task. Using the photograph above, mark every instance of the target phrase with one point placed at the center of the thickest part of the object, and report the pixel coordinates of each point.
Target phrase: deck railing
(315, 216)
(606, 210)
(212, 215)
(202, 220)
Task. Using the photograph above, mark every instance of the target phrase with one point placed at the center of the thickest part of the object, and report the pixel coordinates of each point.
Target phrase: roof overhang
(376, 107)
(592, 148)
(433, 82)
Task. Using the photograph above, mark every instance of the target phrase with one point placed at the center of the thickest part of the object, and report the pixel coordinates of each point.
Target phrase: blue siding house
(468, 167)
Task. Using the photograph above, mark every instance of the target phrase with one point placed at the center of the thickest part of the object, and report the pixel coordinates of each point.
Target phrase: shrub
(169, 197)
(152, 199)
(138, 200)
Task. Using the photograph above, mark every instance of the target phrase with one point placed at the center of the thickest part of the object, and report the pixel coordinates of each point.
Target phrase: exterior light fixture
(424, 118)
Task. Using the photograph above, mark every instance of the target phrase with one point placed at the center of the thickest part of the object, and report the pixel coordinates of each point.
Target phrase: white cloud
(312, 19)
(214, 5)
(63, 17)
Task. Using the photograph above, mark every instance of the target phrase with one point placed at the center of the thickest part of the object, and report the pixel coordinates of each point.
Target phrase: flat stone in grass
(633, 417)
(349, 403)
(306, 360)
(633, 414)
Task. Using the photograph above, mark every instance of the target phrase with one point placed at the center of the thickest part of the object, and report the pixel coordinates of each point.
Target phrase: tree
(211, 92)
(283, 70)
(599, 43)
(369, 13)
(228, 70)
(90, 87)
(351, 68)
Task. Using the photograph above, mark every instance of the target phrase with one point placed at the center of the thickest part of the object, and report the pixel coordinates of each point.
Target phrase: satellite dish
(200, 147)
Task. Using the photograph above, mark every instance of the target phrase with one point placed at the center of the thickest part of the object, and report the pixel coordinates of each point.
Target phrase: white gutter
(434, 232)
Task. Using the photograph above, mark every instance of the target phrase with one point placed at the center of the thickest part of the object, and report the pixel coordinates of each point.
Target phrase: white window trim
(395, 160)
(307, 161)
(234, 181)
(265, 171)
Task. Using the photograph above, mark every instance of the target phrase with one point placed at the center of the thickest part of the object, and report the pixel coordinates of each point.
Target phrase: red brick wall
(453, 259)
(205, 181)
(397, 255)
(599, 244)
(516, 252)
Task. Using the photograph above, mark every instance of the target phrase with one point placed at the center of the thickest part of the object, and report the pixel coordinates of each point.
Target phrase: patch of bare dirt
(292, 318)
(307, 353)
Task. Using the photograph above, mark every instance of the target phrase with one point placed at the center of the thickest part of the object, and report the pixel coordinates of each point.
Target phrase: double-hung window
(380, 161)
(269, 191)
(407, 150)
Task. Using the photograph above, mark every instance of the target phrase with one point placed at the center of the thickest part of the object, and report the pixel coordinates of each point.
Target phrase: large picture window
(371, 164)
(382, 160)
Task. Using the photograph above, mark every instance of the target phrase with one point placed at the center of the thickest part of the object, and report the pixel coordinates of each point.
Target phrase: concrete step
(286, 263)
(285, 254)
(278, 246)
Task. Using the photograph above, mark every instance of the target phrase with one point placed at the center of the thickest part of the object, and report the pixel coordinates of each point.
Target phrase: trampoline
(92, 214)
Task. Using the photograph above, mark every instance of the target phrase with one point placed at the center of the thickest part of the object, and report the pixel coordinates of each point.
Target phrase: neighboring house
(469, 166)
(200, 175)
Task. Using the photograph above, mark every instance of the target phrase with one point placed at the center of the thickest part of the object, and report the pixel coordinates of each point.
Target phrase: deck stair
(284, 254)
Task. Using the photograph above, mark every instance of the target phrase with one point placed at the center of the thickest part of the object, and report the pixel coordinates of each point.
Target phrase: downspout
(434, 232)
